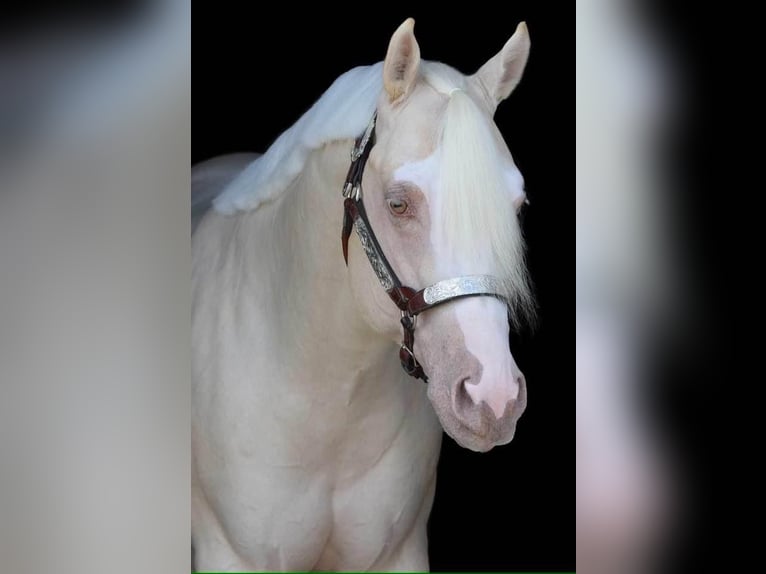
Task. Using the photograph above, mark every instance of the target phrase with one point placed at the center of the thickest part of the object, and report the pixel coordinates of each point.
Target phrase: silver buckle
(410, 363)
(353, 191)
(414, 318)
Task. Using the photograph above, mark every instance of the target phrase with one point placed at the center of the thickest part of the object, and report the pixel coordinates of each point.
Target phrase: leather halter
(409, 301)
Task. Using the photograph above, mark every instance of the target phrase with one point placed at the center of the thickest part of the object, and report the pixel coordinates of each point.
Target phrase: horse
(311, 448)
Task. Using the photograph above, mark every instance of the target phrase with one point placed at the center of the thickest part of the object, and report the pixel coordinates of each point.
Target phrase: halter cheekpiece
(409, 301)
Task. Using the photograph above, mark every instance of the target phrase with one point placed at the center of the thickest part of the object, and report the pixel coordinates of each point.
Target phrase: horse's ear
(500, 75)
(400, 69)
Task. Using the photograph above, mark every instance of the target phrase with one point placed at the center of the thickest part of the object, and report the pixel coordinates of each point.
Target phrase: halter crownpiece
(409, 301)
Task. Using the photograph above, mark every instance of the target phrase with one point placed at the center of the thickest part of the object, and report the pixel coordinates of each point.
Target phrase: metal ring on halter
(413, 319)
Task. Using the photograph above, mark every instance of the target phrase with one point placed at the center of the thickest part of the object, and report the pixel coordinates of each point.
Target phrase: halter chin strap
(409, 301)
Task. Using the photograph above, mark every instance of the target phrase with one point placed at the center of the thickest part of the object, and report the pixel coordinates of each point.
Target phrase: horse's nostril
(461, 400)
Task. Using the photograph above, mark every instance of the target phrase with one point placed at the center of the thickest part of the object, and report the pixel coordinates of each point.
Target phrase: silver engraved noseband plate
(461, 286)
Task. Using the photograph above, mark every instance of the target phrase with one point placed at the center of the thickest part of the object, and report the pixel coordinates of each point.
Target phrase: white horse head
(442, 194)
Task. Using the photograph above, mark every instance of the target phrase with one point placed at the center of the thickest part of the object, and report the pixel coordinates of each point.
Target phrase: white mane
(342, 112)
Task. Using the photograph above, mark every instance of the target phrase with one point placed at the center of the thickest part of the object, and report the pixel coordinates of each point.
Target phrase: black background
(254, 75)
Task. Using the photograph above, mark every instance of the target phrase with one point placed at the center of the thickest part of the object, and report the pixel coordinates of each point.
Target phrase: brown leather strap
(348, 224)
(407, 357)
(355, 216)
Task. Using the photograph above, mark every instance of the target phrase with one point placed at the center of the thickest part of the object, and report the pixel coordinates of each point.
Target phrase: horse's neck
(318, 330)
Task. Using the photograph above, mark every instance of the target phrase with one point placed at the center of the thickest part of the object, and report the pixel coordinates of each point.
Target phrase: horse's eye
(397, 206)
